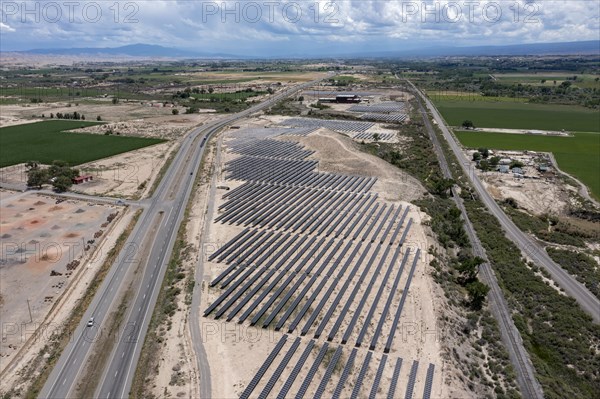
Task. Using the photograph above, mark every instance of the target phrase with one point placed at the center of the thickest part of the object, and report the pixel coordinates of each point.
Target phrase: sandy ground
(129, 175)
(538, 193)
(417, 338)
(124, 111)
(536, 196)
(164, 127)
(49, 236)
(339, 154)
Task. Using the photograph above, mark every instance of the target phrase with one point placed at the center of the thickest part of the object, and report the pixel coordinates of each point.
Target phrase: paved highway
(152, 238)
(530, 247)
(530, 387)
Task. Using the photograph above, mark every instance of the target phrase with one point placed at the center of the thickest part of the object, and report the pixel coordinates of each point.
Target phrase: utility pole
(29, 307)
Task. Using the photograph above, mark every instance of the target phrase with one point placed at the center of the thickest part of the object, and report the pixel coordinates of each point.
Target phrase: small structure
(82, 179)
(503, 169)
(342, 99)
(327, 100)
(347, 98)
(505, 161)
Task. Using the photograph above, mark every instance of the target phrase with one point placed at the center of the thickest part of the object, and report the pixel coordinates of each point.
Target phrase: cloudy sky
(302, 27)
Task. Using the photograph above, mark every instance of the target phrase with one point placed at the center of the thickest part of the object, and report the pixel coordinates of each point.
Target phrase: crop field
(518, 115)
(576, 155)
(48, 141)
(549, 79)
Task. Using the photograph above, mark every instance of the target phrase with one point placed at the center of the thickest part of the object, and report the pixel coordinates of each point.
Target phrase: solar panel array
(270, 148)
(318, 256)
(387, 106)
(336, 125)
(369, 136)
(349, 383)
(264, 132)
(384, 117)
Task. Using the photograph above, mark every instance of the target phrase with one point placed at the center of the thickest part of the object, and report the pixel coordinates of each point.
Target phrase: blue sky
(303, 27)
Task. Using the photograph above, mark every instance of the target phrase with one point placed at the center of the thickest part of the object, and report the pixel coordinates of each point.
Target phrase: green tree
(441, 186)
(62, 168)
(476, 156)
(484, 152)
(494, 161)
(468, 124)
(468, 268)
(375, 137)
(98, 118)
(36, 177)
(62, 183)
(115, 100)
(477, 293)
(484, 165)
(516, 164)
(175, 111)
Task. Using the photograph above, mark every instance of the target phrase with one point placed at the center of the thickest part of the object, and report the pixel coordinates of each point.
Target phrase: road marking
(144, 296)
(65, 380)
(123, 355)
(116, 372)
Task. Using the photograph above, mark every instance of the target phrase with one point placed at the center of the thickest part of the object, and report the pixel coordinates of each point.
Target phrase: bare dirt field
(45, 245)
(130, 175)
(536, 192)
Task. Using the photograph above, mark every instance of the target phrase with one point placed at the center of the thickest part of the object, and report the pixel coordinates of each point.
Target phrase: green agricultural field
(48, 141)
(518, 115)
(576, 155)
(549, 78)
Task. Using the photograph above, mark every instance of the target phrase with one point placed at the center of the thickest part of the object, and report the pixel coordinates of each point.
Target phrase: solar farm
(357, 130)
(324, 267)
(387, 111)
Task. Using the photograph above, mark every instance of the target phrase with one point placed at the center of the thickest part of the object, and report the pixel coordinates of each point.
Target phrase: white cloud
(350, 25)
(6, 28)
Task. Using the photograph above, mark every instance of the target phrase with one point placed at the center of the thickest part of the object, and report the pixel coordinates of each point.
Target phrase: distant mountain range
(563, 48)
(156, 51)
(132, 50)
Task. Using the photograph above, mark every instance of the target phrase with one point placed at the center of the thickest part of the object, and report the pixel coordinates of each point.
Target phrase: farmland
(517, 115)
(49, 140)
(576, 155)
(549, 79)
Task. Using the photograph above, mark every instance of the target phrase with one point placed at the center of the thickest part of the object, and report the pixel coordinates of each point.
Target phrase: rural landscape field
(577, 154)
(342, 199)
(51, 140)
